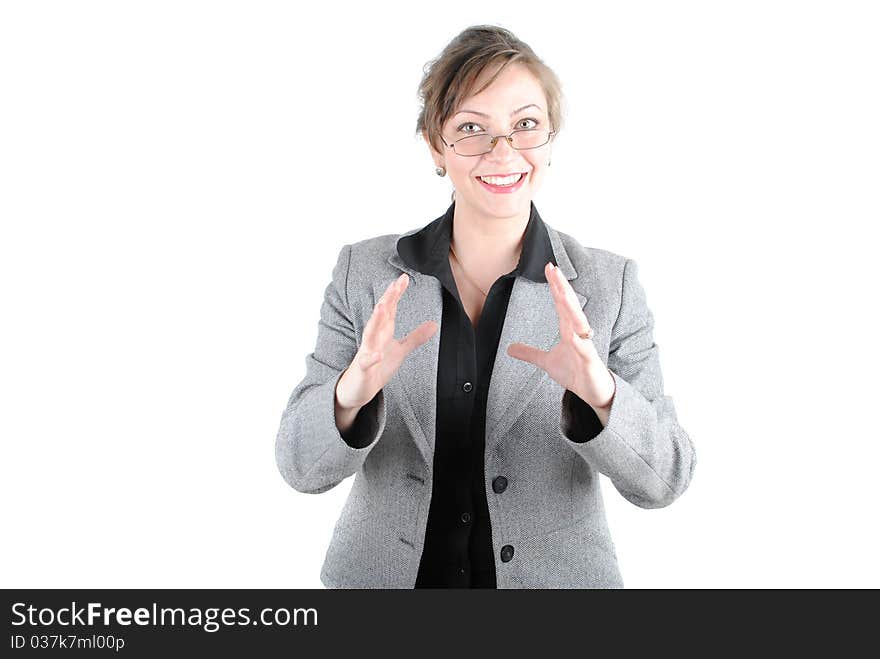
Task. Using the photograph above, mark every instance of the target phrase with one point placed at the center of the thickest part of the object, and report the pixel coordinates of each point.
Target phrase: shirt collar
(427, 250)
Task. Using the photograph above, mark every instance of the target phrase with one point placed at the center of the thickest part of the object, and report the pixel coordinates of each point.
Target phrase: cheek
(463, 176)
(538, 170)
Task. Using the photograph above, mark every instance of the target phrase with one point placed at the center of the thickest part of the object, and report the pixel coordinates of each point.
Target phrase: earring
(441, 171)
(548, 163)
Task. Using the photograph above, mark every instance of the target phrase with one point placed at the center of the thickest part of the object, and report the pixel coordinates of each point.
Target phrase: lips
(505, 189)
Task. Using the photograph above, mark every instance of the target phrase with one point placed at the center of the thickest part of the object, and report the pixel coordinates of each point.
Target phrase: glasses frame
(494, 141)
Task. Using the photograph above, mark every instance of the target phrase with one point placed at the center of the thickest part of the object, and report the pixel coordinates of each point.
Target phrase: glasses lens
(476, 145)
(473, 145)
(529, 139)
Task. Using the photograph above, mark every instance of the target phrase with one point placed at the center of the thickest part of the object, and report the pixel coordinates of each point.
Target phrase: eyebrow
(530, 105)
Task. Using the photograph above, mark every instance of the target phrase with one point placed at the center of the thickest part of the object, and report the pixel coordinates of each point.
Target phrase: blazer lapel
(414, 386)
(531, 319)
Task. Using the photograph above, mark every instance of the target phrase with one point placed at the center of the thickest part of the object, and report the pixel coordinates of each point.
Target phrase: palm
(393, 351)
(380, 354)
(574, 362)
(561, 362)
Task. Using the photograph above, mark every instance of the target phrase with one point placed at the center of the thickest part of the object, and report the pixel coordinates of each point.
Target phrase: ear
(435, 155)
(434, 151)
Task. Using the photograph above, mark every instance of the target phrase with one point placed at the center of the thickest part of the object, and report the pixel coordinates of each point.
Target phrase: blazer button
(499, 484)
(506, 553)
(467, 387)
(465, 517)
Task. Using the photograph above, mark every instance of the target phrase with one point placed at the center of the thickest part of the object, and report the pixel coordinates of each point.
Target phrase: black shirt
(458, 549)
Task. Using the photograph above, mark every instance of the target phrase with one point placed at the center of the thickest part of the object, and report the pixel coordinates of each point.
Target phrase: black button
(465, 517)
(461, 570)
(499, 484)
(506, 553)
(467, 387)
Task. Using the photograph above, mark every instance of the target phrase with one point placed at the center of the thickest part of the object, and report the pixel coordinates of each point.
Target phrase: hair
(449, 78)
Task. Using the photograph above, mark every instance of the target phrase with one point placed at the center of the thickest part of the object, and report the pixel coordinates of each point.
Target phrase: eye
(470, 123)
(518, 127)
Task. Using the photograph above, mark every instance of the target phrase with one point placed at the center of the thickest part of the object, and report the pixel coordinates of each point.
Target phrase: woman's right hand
(380, 354)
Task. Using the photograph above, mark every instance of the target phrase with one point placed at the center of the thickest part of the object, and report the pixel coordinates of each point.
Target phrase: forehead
(514, 87)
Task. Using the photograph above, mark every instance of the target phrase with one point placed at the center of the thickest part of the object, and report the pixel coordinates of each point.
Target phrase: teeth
(501, 180)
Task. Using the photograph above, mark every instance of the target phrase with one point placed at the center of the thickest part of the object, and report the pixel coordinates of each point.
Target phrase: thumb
(527, 353)
(367, 359)
(418, 336)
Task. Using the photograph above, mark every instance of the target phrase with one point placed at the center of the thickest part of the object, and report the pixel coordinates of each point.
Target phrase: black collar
(427, 250)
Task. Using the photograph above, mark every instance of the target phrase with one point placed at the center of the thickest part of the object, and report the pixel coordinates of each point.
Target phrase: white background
(177, 179)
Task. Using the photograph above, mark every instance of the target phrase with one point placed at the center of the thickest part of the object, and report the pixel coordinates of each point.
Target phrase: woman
(526, 366)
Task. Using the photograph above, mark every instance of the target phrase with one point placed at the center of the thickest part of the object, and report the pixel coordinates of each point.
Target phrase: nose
(502, 155)
(505, 139)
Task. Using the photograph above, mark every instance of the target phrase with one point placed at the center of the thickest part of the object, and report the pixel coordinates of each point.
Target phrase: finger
(389, 302)
(367, 358)
(418, 336)
(380, 326)
(378, 329)
(572, 317)
(528, 353)
(567, 297)
(566, 325)
(394, 292)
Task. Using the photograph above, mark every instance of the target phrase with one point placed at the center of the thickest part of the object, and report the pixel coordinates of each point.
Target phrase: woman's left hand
(573, 362)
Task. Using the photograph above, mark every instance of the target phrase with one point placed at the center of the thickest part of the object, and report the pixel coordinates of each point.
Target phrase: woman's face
(494, 111)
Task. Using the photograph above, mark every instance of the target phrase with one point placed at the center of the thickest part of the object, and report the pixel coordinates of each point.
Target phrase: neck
(488, 245)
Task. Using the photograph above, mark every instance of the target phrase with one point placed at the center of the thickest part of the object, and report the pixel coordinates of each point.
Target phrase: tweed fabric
(549, 444)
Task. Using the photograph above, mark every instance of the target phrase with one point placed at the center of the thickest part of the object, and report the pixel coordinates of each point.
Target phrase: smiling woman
(477, 448)
(511, 93)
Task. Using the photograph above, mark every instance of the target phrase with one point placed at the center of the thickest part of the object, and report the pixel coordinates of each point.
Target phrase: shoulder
(367, 259)
(376, 245)
(594, 265)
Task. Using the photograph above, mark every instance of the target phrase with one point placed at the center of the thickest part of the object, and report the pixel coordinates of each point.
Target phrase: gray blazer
(551, 513)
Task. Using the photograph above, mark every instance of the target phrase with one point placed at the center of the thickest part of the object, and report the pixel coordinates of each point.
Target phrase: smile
(504, 185)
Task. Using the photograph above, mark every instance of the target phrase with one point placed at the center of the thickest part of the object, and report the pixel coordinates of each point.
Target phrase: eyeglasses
(477, 145)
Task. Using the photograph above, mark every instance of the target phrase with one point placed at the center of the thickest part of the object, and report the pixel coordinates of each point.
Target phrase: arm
(311, 454)
(639, 445)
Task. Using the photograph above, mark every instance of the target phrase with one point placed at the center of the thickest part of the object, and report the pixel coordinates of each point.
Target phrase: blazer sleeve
(643, 450)
(311, 454)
